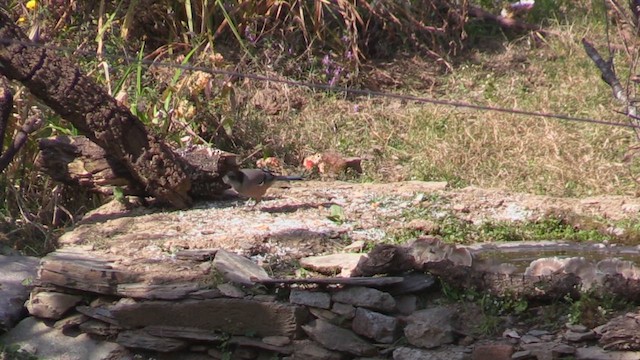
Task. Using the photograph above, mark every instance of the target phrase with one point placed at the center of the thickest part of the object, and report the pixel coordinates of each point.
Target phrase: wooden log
(61, 85)
(76, 160)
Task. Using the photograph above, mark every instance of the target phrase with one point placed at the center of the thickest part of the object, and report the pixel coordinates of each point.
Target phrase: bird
(254, 183)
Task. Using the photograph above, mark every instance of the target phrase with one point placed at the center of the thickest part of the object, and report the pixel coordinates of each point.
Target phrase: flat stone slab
(15, 272)
(233, 316)
(50, 343)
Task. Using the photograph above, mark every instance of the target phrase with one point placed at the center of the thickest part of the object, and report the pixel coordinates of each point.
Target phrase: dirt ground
(296, 221)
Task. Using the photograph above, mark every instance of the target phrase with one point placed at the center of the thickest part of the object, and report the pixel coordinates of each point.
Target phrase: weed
(592, 309)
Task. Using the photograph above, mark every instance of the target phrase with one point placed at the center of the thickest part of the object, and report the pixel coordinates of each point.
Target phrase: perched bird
(254, 183)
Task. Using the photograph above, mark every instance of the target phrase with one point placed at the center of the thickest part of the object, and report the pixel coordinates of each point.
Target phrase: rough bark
(60, 85)
(78, 161)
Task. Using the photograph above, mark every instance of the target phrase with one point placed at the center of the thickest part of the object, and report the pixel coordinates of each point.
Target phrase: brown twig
(6, 104)
(608, 74)
(32, 124)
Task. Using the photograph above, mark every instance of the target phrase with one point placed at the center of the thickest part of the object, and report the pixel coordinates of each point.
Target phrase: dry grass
(469, 147)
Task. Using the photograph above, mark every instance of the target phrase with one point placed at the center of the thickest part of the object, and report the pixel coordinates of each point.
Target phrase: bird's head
(232, 177)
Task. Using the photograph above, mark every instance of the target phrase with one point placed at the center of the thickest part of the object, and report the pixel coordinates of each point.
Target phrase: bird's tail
(288, 178)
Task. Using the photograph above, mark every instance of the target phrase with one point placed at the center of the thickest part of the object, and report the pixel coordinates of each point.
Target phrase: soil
(316, 217)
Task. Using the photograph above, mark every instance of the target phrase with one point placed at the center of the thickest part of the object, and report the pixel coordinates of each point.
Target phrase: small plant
(336, 214)
(592, 309)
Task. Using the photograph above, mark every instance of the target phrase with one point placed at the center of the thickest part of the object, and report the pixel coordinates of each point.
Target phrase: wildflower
(326, 61)
(31, 4)
(21, 19)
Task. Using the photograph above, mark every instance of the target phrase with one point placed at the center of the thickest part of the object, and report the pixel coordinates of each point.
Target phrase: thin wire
(326, 87)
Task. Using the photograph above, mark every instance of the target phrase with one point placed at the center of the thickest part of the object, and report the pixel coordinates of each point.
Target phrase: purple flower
(326, 61)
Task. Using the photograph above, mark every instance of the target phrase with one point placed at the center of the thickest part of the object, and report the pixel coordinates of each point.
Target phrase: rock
(621, 333)
(579, 336)
(492, 352)
(70, 321)
(244, 341)
(309, 350)
(229, 290)
(366, 297)
(238, 269)
(596, 353)
(310, 298)
(140, 339)
(406, 304)
(538, 333)
(327, 315)
(99, 328)
(376, 326)
(336, 338)
(412, 283)
(579, 328)
(276, 340)
(355, 246)
(529, 339)
(522, 355)
(233, 316)
(511, 334)
(51, 305)
(431, 327)
(332, 264)
(561, 350)
(15, 272)
(346, 311)
(548, 350)
(449, 353)
(51, 344)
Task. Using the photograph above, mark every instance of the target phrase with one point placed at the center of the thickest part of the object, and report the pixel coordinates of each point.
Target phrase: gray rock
(366, 297)
(563, 350)
(139, 339)
(449, 353)
(230, 290)
(238, 269)
(336, 338)
(596, 353)
(548, 350)
(376, 326)
(233, 316)
(406, 304)
(14, 272)
(537, 333)
(579, 336)
(577, 328)
(521, 355)
(276, 340)
(51, 305)
(309, 350)
(347, 311)
(332, 264)
(492, 351)
(51, 344)
(430, 328)
(529, 339)
(310, 298)
(412, 283)
(327, 315)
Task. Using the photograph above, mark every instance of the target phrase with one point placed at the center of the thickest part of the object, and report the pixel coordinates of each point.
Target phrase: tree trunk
(60, 85)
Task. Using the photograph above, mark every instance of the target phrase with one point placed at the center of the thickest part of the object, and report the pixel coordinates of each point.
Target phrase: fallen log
(76, 160)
